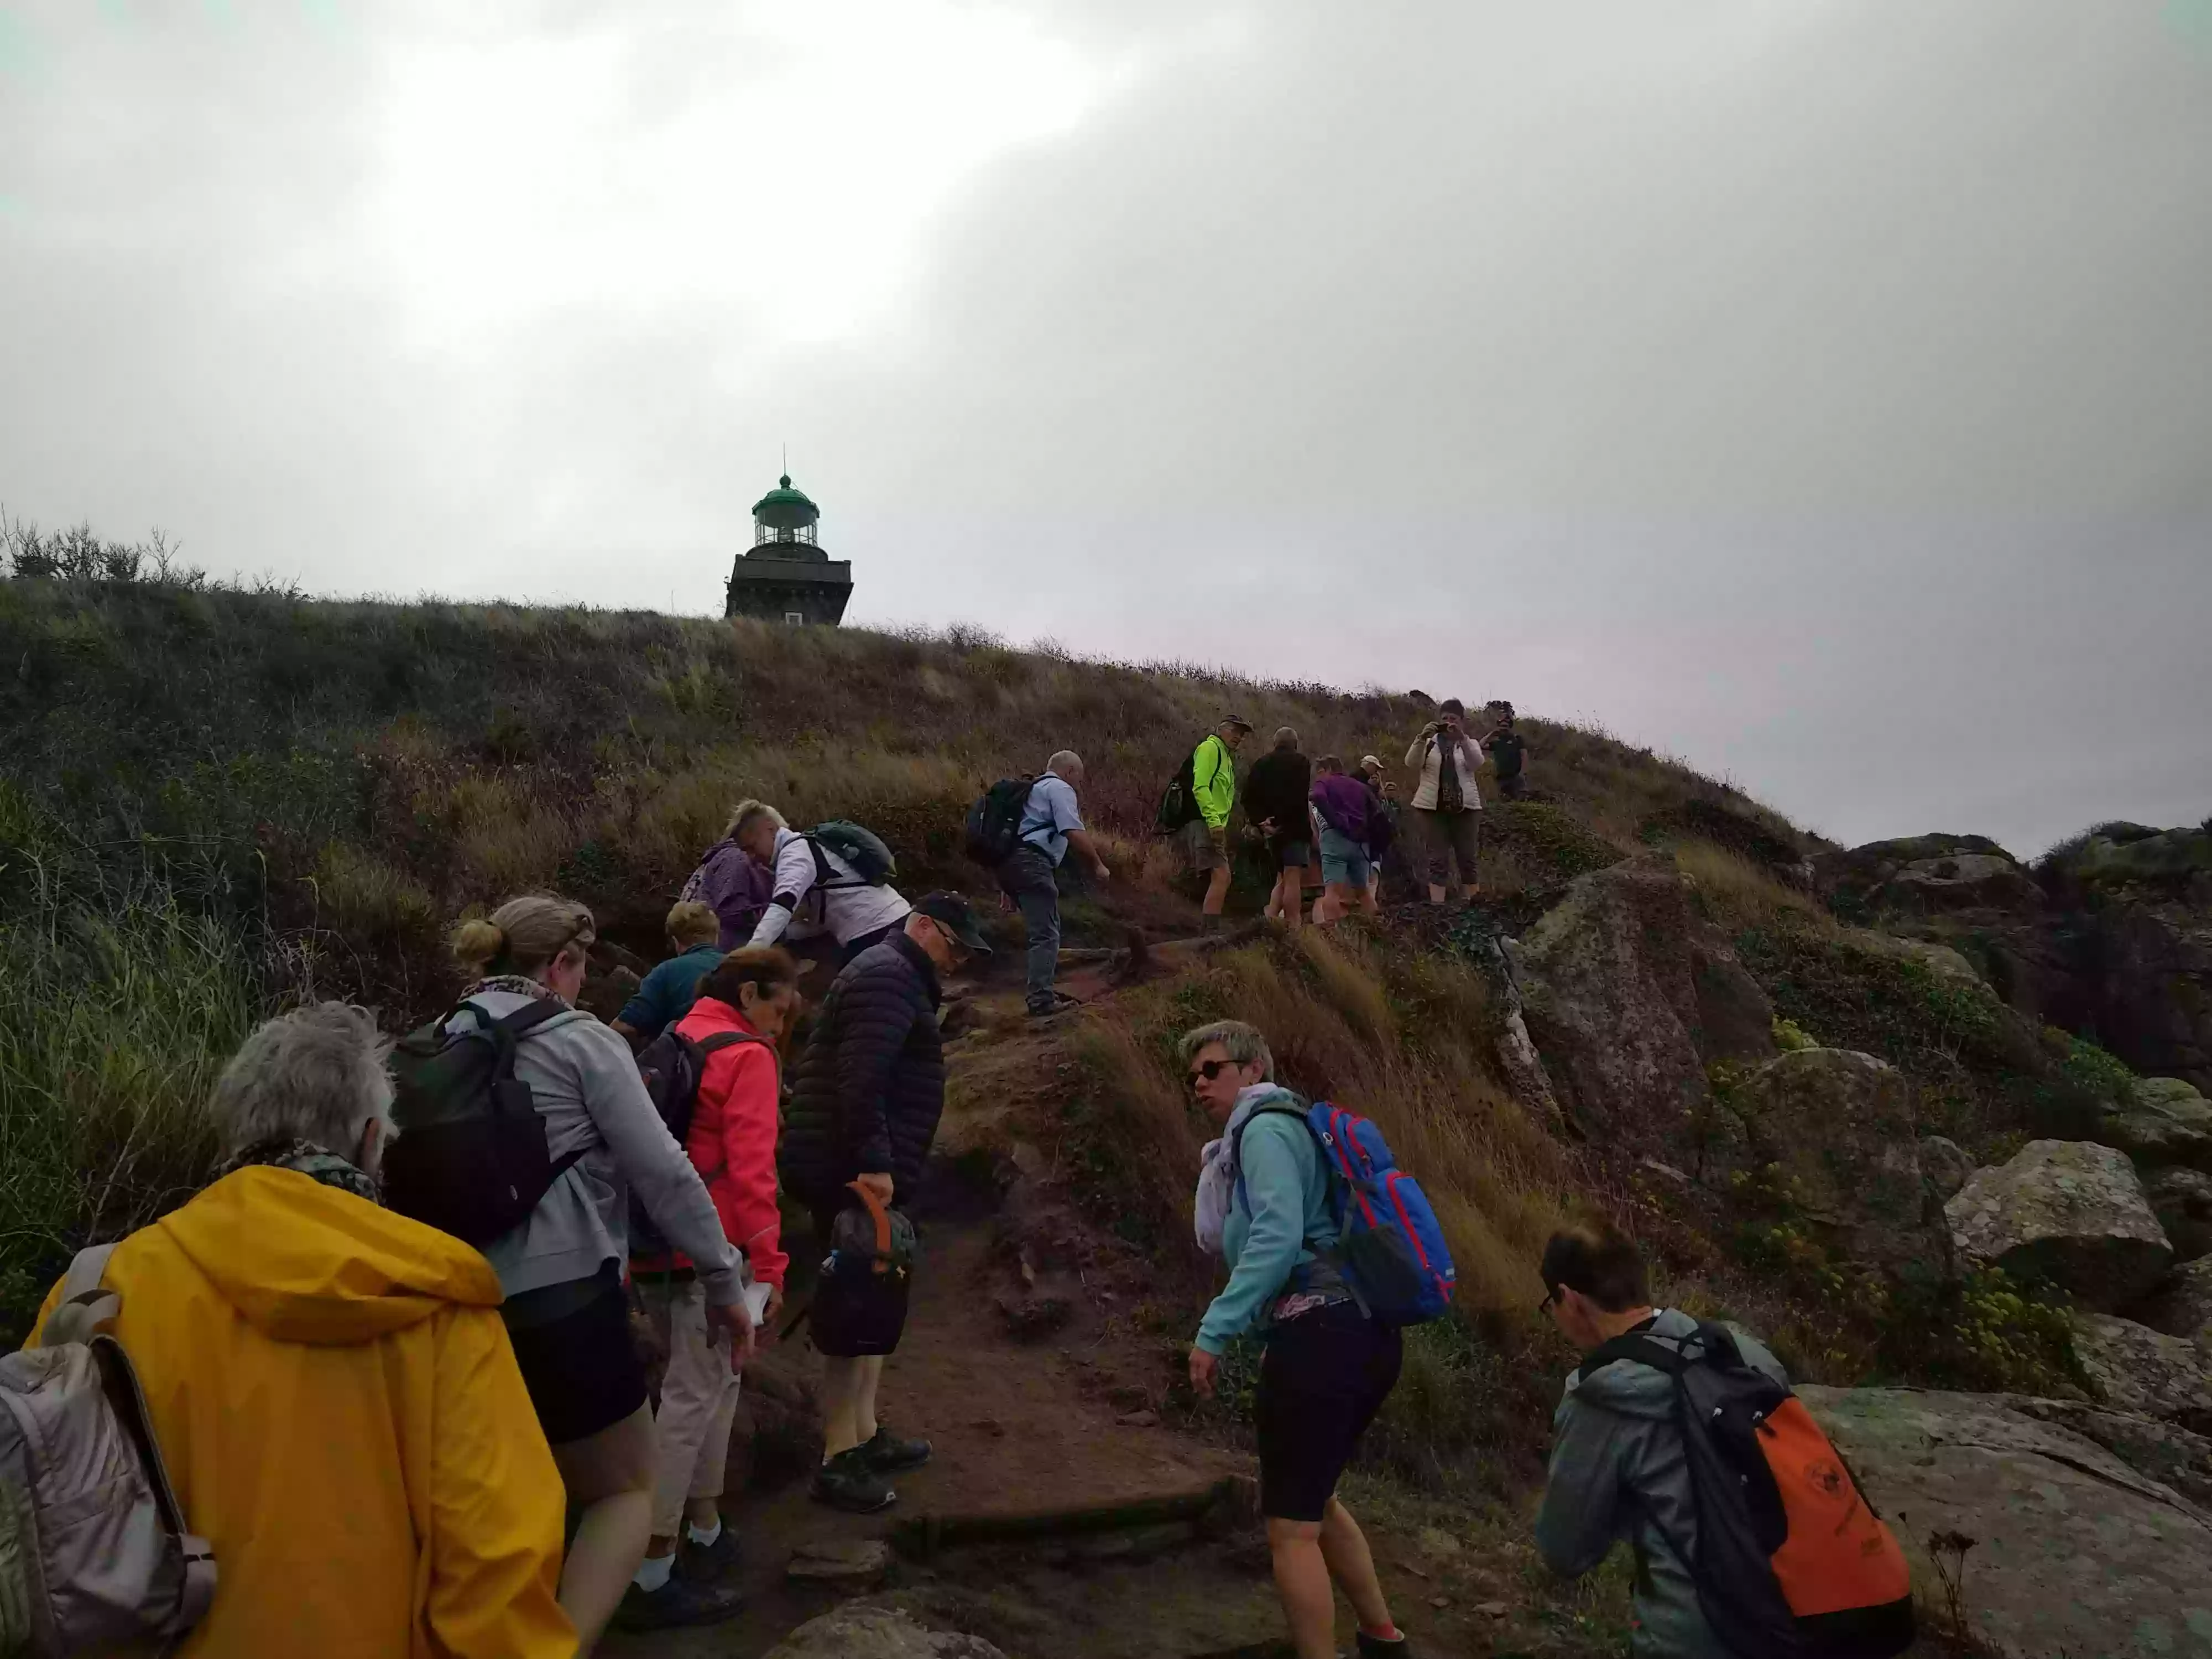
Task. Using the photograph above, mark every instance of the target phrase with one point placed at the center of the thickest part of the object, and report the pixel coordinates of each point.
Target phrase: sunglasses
(1206, 1071)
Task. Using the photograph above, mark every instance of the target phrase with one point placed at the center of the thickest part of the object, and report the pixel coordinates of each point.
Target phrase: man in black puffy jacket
(865, 1101)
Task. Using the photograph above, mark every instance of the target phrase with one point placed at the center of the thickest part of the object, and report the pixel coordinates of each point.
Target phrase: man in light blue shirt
(1051, 824)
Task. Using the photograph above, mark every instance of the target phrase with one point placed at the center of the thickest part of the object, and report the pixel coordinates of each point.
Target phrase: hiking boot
(1374, 1647)
(678, 1602)
(1060, 1002)
(845, 1482)
(885, 1451)
(708, 1564)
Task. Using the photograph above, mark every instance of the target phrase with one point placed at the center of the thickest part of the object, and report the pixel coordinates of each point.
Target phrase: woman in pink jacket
(744, 1006)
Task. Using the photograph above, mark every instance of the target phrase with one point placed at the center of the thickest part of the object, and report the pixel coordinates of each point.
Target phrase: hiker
(730, 883)
(561, 1267)
(864, 1100)
(1446, 805)
(1050, 825)
(1352, 829)
(846, 906)
(325, 1378)
(1213, 791)
(1275, 805)
(1327, 1367)
(1620, 1468)
(748, 1003)
(1507, 752)
(665, 994)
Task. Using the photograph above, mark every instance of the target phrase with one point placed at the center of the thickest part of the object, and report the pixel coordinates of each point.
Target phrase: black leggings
(1323, 1377)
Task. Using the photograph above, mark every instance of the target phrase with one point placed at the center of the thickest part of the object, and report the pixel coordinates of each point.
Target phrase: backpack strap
(507, 1031)
(86, 1307)
(1636, 1346)
(721, 1040)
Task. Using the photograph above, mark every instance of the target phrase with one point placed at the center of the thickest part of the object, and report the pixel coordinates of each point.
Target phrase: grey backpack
(93, 1554)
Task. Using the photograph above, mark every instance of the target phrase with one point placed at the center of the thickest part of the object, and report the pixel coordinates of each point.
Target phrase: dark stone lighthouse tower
(785, 577)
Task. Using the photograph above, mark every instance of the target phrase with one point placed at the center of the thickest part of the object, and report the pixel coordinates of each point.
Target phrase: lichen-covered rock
(2075, 1552)
(857, 1630)
(1836, 1127)
(2146, 1371)
(1629, 994)
(2166, 1452)
(1945, 1164)
(2182, 1202)
(2182, 1303)
(2155, 1141)
(2067, 1211)
(2175, 1100)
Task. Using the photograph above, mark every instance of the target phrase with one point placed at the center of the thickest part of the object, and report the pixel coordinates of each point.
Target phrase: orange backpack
(1791, 1560)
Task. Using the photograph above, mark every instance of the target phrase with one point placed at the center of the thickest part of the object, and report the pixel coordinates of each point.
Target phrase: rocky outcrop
(1945, 1164)
(2075, 1552)
(857, 1630)
(2182, 1202)
(2146, 1371)
(2068, 1211)
(2182, 1304)
(1835, 1129)
(1629, 994)
(1917, 875)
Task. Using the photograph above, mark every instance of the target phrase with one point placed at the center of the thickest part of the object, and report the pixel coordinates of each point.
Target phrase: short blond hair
(745, 812)
(691, 923)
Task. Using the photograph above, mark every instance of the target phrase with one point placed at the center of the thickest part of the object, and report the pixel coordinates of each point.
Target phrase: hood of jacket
(306, 1263)
(1633, 1388)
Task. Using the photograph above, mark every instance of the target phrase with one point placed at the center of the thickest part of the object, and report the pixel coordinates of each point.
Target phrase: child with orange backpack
(1752, 1538)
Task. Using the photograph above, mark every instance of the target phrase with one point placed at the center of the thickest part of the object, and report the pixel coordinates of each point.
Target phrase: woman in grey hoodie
(561, 1269)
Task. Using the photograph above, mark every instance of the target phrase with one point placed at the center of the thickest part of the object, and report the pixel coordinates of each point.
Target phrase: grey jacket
(1618, 1471)
(587, 1087)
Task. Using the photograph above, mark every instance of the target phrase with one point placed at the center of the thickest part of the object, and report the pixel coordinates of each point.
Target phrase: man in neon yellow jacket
(1213, 791)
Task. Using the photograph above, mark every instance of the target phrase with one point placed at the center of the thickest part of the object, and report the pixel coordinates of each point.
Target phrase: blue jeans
(1027, 878)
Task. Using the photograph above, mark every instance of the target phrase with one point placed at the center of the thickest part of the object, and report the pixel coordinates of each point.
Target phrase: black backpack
(1791, 1561)
(673, 1067)
(1179, 801)
(862, 849)
(995, 821)
(471, 1158)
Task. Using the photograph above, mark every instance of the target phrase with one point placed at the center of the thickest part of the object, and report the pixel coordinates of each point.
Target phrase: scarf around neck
(310, 1158)
(519, 984)
(1451, 796)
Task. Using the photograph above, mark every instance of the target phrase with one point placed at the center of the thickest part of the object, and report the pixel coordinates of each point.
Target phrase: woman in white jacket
(1446, 805)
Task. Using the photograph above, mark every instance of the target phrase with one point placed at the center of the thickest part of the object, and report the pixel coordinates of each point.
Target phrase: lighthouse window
(794, 617)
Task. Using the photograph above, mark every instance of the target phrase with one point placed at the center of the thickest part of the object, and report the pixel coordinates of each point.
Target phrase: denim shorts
(1343, 861)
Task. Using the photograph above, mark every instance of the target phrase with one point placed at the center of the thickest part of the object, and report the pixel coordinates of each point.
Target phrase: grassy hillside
(217, 801)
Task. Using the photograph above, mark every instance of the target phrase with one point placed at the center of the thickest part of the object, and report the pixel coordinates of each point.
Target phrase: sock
(704, 1540)
(652, 1572)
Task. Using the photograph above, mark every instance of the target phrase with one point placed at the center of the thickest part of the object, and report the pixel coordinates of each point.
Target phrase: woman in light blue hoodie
(1263, 1205)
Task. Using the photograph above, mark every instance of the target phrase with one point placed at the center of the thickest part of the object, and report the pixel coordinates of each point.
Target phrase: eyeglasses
(1207, 1070)
(1551, 1300)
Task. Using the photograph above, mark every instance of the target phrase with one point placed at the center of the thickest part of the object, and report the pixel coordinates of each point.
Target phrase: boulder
(2182, 1303)
(1629, 994)
(2067, 1211)
(2075, 1551)
(1923, 874)
(2182, 1202)
(2139, 854)
(1837, 1127)
(2146, 1371)
(857, 1630)
(2162, 1124)
(2177, 1101)
(1944, 1164)
(2146, 969)
(2166, 1452)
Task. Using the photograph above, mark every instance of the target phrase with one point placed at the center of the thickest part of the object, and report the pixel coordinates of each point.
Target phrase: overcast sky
(1819, 390)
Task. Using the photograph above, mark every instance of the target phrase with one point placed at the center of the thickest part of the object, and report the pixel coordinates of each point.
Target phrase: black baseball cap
(958, 915)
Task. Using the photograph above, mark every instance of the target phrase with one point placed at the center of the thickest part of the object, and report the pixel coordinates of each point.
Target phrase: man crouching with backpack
(1263, 1207)
(1620, 1468)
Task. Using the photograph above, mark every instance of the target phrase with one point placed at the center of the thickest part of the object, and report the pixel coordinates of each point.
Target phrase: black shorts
(1322, 1379)
(578, 1358)
(1289, 852)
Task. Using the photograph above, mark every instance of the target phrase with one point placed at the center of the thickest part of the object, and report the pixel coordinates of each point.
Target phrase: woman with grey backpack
(562, 1265)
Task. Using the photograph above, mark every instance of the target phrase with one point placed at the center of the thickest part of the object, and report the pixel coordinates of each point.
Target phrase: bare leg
(1289, 890)
(1217, 891)
(610, 1475)
(1344, 1546)
(840, 1402)
(1302, 1582)
(864, 1403)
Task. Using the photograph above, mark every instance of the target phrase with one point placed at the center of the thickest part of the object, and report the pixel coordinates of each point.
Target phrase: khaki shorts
(1205, 849)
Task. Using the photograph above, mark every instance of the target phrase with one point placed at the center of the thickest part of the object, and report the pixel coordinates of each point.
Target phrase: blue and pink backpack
(1390, 1247)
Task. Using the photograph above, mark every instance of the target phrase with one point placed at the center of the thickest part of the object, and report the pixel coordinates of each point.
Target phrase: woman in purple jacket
(1352, 834)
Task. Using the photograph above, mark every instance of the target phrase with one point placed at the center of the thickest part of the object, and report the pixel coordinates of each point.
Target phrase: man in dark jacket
(865, 1101)
(1275, 804)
